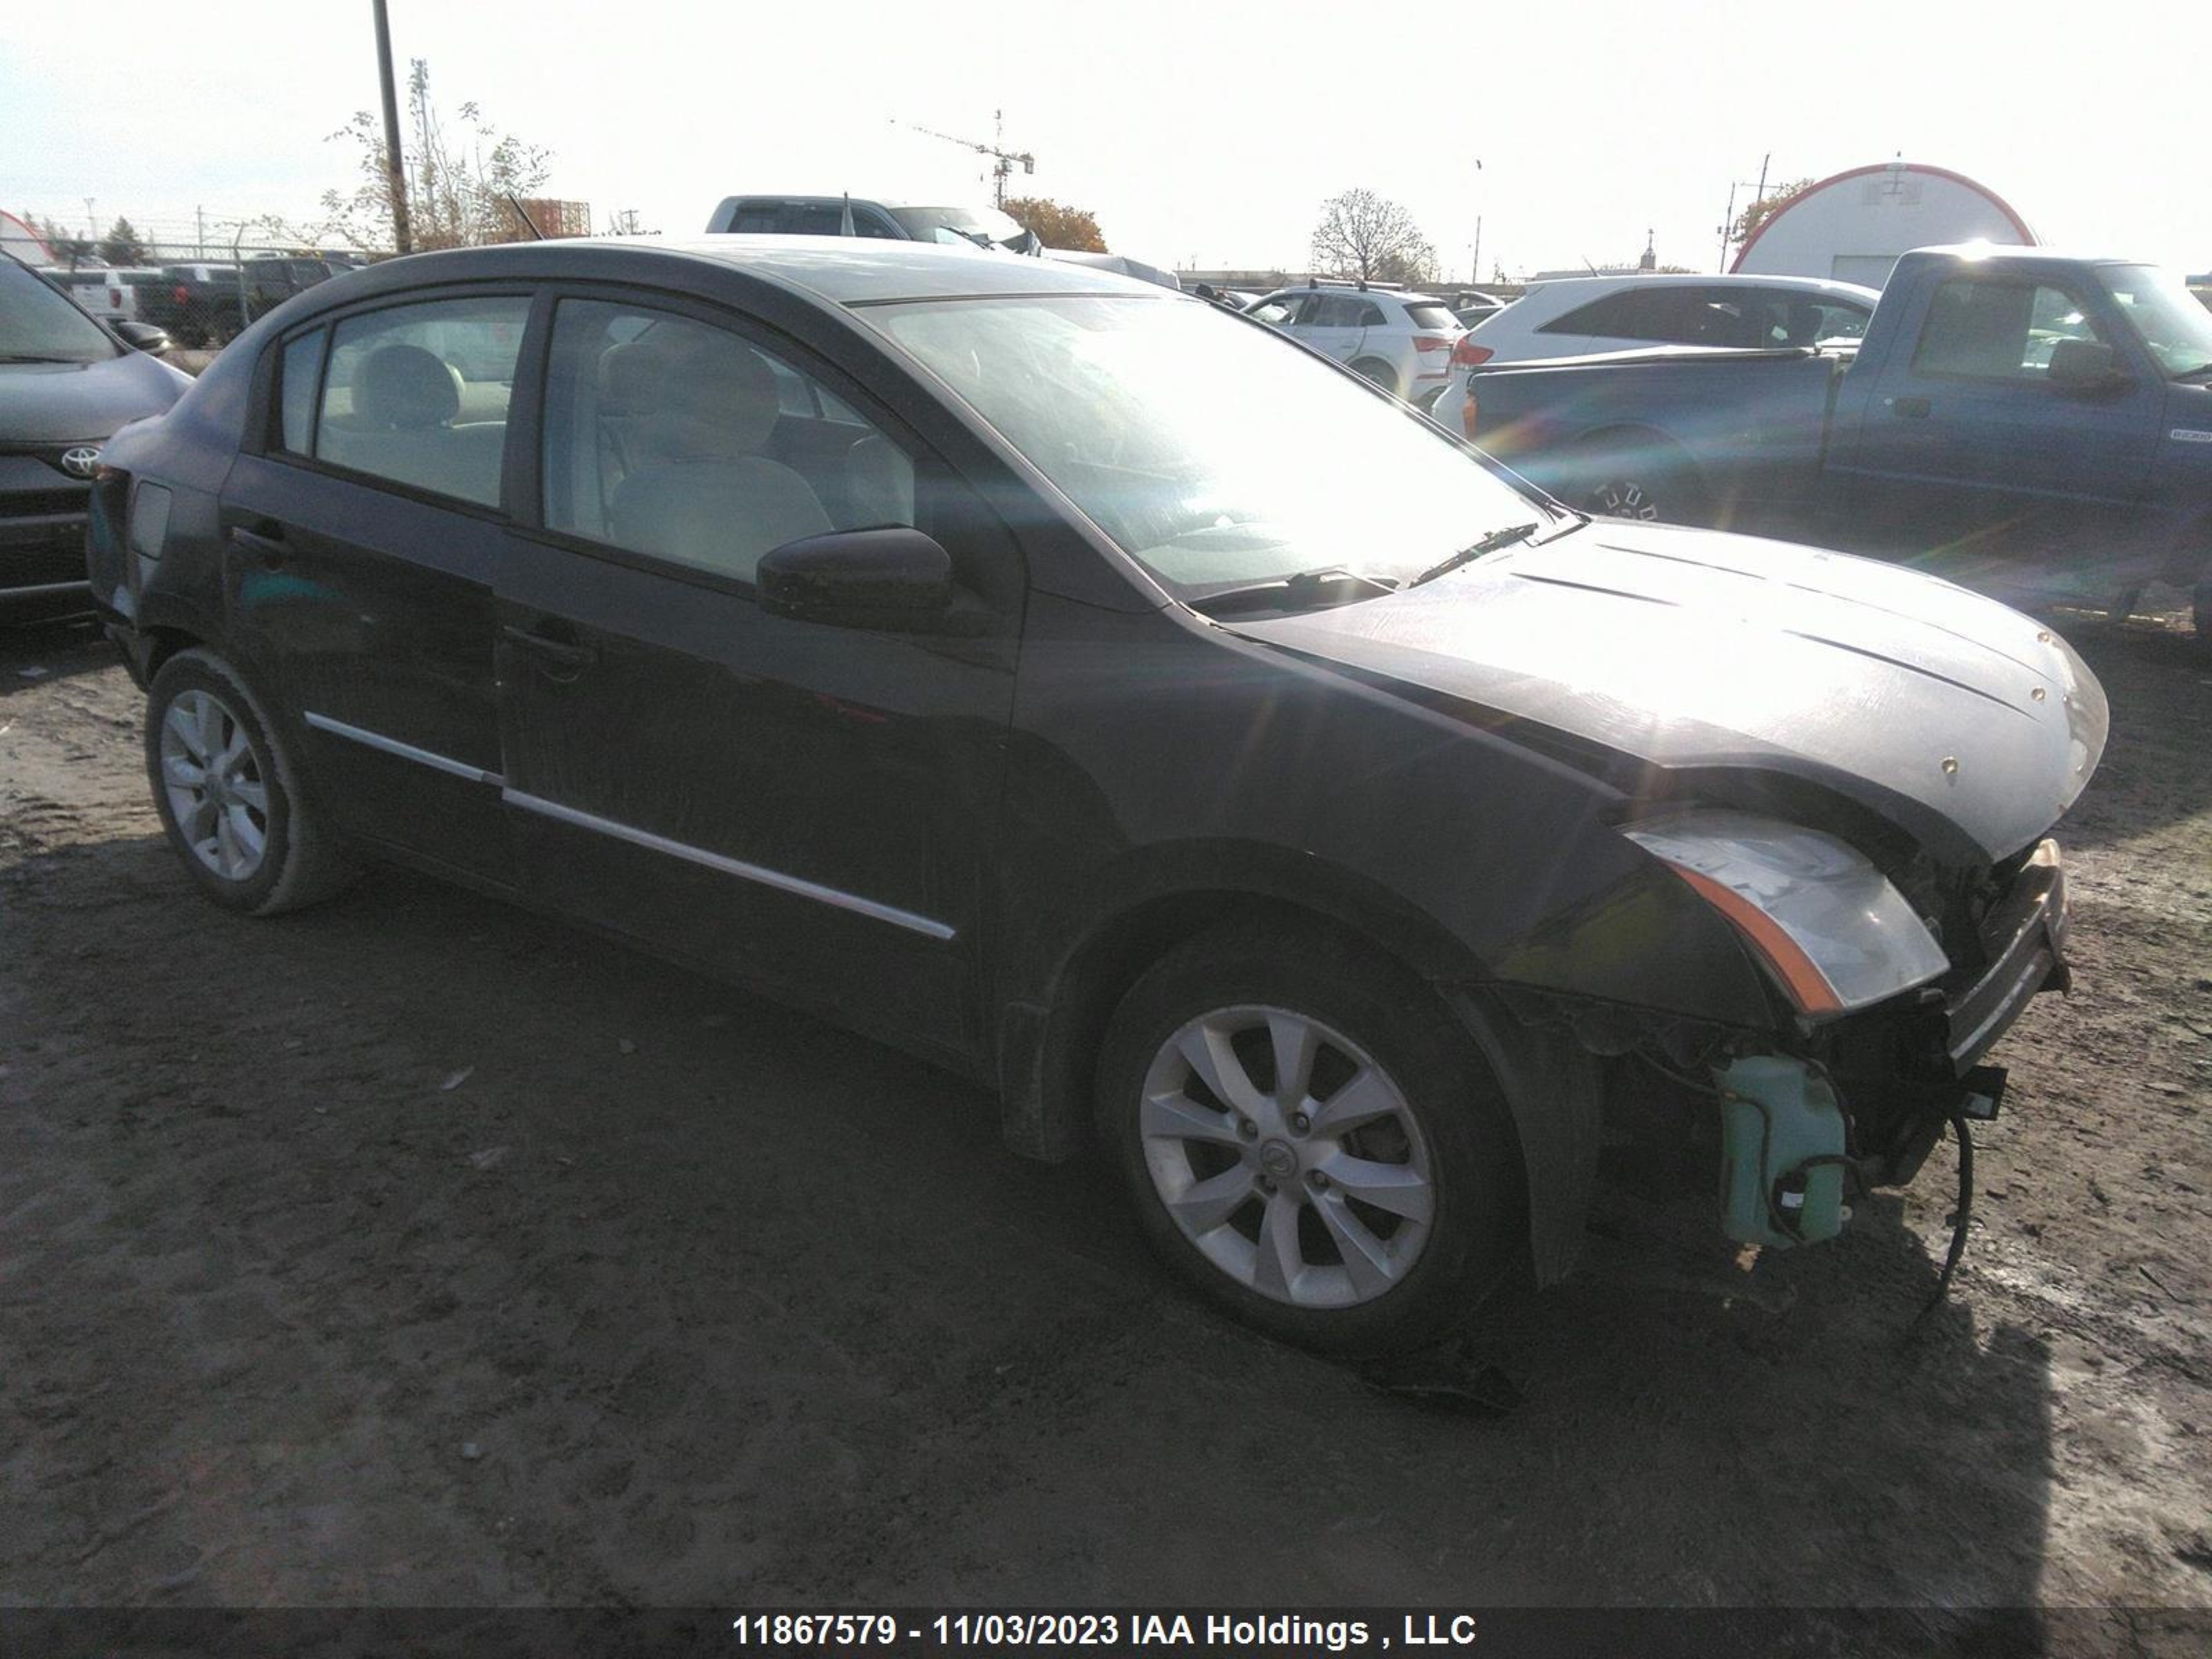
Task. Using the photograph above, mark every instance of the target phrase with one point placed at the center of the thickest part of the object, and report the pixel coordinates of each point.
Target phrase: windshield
(1212, 451)
(2172, 324)
(37, 324)
(978, 226)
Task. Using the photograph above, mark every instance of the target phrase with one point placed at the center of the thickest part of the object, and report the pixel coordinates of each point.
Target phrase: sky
(1197, 135)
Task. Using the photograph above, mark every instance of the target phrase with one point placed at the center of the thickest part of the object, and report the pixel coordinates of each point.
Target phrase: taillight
(1432, 341)
(1467, 355)
(179, 295)
(115, 298)
(1467, 411)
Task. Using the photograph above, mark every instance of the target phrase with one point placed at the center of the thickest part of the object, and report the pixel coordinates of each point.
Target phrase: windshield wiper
(1331, 584)
(37, 357)
(1490, 543)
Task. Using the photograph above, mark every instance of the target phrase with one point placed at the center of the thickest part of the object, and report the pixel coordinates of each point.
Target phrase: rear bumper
(2026, 938)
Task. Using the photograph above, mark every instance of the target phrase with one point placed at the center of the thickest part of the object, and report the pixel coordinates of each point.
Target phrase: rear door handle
(266, 544)
(1909, 409)
(561, 654)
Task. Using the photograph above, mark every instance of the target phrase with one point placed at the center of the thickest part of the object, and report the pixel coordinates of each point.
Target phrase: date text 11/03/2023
(1244, 1631)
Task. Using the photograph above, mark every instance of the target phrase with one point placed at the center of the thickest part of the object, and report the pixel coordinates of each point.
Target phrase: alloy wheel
(1287, 1157)
(215, 790)
(1618, 498)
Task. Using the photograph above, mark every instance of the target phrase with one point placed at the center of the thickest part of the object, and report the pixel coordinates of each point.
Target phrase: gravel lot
(418, 1250)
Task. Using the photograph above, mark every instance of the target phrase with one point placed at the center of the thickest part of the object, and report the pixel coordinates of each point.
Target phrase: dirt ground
(416, 1250)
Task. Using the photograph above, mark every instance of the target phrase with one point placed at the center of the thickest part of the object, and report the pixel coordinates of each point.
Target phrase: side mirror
(896, 579)
(144, 336)
(2086, 366)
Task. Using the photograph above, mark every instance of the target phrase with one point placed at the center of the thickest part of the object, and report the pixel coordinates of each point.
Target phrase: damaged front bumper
(1872, 1098)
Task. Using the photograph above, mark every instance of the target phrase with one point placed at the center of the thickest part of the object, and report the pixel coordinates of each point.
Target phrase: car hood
(1692, 649)
(69, 403)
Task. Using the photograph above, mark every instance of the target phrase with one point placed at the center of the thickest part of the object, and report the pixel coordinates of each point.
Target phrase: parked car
(1163, 728)
(114, 294)
(199, 305)
(1401, 341)
(2045, 419)
(273, 279)
(1575, 317)
(66, 384)
(878, 219)
(1473, 307)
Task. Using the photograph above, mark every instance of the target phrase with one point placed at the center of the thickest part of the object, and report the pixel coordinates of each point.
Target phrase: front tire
(228, 793)
(1311, 1141)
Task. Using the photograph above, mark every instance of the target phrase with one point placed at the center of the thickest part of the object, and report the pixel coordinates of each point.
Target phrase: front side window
(675, 438)
(1998, 328)
(417, 394)
(1207, 452)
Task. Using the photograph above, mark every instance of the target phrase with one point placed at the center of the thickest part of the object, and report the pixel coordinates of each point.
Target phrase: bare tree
(1368, 236)
(457, 186)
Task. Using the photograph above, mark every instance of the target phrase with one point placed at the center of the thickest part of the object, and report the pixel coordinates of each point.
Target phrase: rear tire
(226, 789)
(1365, 1206)
(1379, 373)
(1650, 485)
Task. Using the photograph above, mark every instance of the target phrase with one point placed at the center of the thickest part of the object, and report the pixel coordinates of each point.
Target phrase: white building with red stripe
(1853, 226)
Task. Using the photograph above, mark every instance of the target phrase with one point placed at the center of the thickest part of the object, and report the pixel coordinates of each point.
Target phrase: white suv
(1401, 342)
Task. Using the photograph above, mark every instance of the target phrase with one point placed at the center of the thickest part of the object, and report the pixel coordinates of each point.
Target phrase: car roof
(1989, 253)
(1583, 285)
(839, 270)
(1405, 295)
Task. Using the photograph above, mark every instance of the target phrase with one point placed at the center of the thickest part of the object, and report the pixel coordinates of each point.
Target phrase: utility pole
(403, 233)
(1474, 279)
(200, 233)
(91, 221)
(1728, 223)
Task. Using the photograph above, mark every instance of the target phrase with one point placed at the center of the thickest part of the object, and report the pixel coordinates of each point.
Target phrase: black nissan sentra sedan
(1085, 688)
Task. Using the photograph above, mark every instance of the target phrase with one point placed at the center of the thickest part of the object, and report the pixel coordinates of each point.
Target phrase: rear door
(361, 544)
(807, 806)
(1332, 322)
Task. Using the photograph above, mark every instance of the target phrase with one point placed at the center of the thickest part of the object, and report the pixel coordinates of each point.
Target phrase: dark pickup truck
(2015, 419)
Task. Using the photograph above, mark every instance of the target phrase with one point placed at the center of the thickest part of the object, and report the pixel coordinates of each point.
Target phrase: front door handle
(1909, 409)
(568, 658)
(266, 543)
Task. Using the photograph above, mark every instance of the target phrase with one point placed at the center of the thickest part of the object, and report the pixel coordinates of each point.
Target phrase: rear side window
(1614, 316)
(302, 368)
(418, 394)
(792, 219)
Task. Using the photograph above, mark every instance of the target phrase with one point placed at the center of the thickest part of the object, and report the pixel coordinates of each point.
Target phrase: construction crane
(1002, 164)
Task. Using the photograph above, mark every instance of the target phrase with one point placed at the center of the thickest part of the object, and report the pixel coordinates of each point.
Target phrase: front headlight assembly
(1829, 926)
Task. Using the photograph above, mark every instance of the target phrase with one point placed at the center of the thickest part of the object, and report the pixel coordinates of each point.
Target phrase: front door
(359, 553)
(808, 807)
(1972, 455)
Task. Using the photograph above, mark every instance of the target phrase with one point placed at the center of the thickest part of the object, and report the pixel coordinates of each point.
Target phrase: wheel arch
(1049, 1045)
(1581, 457)
(1384, 372)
